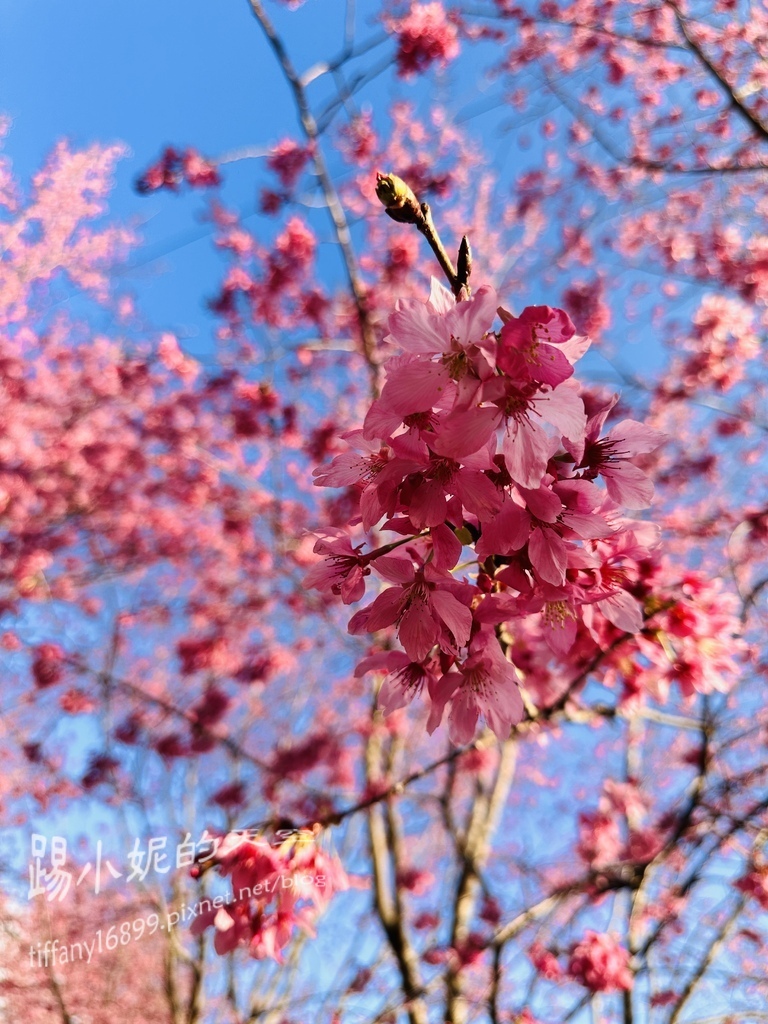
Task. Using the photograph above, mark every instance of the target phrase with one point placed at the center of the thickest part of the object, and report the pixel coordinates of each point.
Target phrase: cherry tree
(424, 620)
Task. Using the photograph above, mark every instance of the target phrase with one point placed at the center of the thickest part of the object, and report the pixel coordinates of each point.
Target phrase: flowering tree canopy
(401, 655)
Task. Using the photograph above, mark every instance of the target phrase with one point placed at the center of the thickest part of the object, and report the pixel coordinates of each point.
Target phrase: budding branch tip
(400, 203)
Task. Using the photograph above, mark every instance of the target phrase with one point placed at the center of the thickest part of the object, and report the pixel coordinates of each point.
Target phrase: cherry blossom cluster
(601, 842)
(274, 891)
(287, 161)
(270, 284)
(481, 449)
(755, 884)
(597, 961)
(600, 963)
(176, 168)
(693, 636)
(425, 35)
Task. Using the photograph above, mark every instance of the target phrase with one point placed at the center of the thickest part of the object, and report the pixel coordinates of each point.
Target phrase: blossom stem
(401, 204)
(395, 544)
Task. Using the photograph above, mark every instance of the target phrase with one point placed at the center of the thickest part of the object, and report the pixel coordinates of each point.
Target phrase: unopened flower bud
(398, 198)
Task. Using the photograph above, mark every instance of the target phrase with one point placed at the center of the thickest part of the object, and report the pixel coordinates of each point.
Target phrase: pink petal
(415, 386)
(371, 508)
(482, 459)
(575, 347)
(440, 693)
(628, 485)
(353, 587)
(359, 621)
(579, 495)
(506, 532)
(322, 575)
(393, 695)
(623, 611)
(384, 661)
(553, 325)
(469, 319)
(503, 708)
(564, 409)
(463, 433)
(527, 345)
(559, 636)
(552, 366)
(462, 720)
(588, 527)
(427, 506)
(380, 420)
(400, 687)
(410, 447)
(415, 329)
(456, 616)
(418, 631)
(394, 569)
(543, 503)
(446, 547)
(440, 299)
(514, 577)
(548, 557)
(526, 452)
(385, 609)
(635, 438)
(478, 494)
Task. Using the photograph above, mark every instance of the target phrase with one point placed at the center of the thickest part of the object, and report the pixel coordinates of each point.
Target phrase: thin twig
(335, 208)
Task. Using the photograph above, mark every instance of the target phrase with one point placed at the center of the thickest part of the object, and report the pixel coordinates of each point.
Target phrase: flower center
(456, 361)
(555, 614)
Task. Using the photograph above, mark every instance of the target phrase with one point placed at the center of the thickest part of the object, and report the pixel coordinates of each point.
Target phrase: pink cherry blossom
(342, 570)
(403, 681)
(485, 684)
(360, 465)
(526, 445)
(545, 962)
(755, 884)
(527, 345)
(276, 889)
(425, 36)
(610, 457)
(600, 964)
(288, 159)
(534, 524)
(429, 607)
(442, 327)
(600, 841)
(422, 483)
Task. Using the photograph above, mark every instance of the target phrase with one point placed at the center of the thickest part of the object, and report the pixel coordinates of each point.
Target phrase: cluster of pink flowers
(358, 140)
(545, 962)
(600, 964)
(274, 891)
(755, 884)
(48, 665)
(175, 168)
(425, 36)
(481, 442)
(267, 284)
(601, 842)
(693, 636)
(288, 159)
